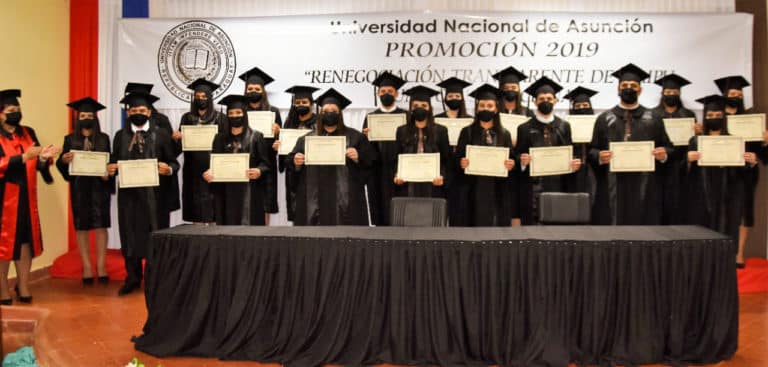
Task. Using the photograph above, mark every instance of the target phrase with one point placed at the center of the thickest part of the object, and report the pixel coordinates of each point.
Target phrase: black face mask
(734, 102)
(671, 100)
(200, 104)
(254, 97)
(13, 118)
(510, 95)
(453, 104)
(238, 121)
(629, 96)
(138, 119)
(86, 123)
(302, 110)
(420, 114)
(387, 99)
(582, 111)
(714, 124)
(485, 115)
(330, 118)
(546, 107)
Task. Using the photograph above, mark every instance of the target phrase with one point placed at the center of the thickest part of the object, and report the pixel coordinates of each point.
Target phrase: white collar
(544, 119)
(144, 127)
(388, 110)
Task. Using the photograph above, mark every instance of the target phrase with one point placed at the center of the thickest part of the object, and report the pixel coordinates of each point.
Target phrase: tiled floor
(92, 327)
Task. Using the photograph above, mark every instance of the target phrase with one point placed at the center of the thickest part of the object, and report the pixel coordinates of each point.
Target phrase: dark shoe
(20, 298)
(741, 265)
(104, 279)
(127, 288)
(88, 281)
(6, 302)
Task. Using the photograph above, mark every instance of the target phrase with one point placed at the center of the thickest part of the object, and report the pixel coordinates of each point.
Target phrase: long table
(539, 295)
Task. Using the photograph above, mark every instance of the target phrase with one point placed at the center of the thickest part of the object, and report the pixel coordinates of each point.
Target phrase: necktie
(488, 137)
(547, 136)
(87, 145)
(420, 148)
(627, 125)
(137, 142)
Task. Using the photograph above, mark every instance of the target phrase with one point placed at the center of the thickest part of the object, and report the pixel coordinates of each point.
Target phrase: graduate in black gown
(332, 195)
(627, 198)
(90, 197)
(21, 158)
(381, 187)
(241, 203)
(511, 94)
(581, 104)
(301, 115)
(256, 81)
(715, 195)
(455, 106)
(544, 129)
(141, 210)
(160, 120)
(489, 200)
(421, 135)
(732, 88)
(672, 188)
(196, 195)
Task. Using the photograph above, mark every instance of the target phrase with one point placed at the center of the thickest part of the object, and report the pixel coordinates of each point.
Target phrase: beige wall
(35, 59)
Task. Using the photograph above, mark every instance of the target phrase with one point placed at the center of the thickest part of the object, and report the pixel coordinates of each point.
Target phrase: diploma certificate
(198, 137)
(88, 163)
(138, 173)
(423, 167)
(228, 167)
(262, 121)
(632, 156)
(288, 139)
(680, 130)
(383, 126)
(511, 122)
(325, 150)
(454, 127)
(749, 127)
(549, 161)
(487, 161)
(721, 150)
(582, 127)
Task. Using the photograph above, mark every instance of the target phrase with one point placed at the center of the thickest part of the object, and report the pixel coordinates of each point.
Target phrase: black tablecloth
(531, 296)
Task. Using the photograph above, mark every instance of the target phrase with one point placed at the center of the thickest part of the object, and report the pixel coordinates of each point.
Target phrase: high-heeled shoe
(104, 279)
(20, 298)
(88, 280)
(6, 302)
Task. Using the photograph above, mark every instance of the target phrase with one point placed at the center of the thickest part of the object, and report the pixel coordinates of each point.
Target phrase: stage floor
(92, 327)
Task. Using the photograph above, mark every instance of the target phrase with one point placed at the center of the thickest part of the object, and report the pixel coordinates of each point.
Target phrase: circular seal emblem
(192, 50)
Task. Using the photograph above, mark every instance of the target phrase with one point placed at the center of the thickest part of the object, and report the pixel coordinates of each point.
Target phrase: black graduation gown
(381, 185)
(489, 200)
(715, 195)
(142, 210)
(196, 196)
(750, 185)
(270, 180)
(90, 196)
(242, 203)
(673, 172)
(626, 198)
(290, 175)
(333, 195)
(531, 135)
(456, 190)
(168, 184)
(437, 144)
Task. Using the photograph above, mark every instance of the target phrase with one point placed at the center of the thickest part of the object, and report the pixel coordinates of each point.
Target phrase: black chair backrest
(564, 208)
(419, 212)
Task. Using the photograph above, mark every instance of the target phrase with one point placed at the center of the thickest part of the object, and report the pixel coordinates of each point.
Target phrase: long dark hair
(412, 132)
(518, 101)
(264, 106)
(292, 120)
(210, 110)
(320, 128)
(724, 130)
(462, 108)
(476, 128)
(661, 104)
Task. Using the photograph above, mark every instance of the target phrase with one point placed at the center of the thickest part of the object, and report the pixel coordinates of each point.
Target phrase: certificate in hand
(750, 127)
(632, 156)
(423, 167)
(383, 126)
(325, 150)
(511, 122)
(582, 127)
(454, 127)
(721, 150)
(88, 163)
(288, 139)
(138, 173)
(680, 130)
(262, 121)
(549, 161)
(487, 161)
(198, 137)
(228, 167)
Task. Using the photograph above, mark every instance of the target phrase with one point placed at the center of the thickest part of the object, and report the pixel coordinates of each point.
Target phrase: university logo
(192, 50)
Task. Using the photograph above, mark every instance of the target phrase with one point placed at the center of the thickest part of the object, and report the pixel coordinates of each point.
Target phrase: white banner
(348, 51)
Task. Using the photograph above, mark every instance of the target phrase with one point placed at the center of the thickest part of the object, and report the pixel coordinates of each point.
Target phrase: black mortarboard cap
(256, 76)
(510, 75)
(672, 81)
(138, 87)
(580, 94)
(86, 104)
(235, 101)
(543, 85)
(331, 96)
(453, 85)
(387, 79)
(202, 85)
(713, 102)
(10, 97)
(421, 93)
(731, 82)
(139, 99)
(301, 92)
(630, 72)
(485, 92)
